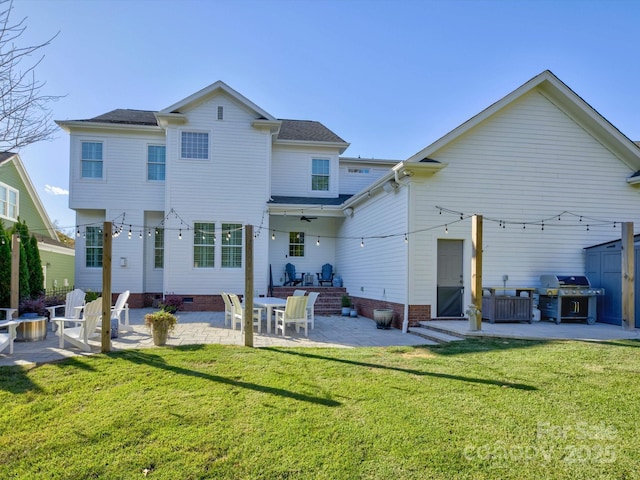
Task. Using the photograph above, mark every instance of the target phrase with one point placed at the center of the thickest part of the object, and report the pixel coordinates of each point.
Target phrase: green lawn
(473, 409)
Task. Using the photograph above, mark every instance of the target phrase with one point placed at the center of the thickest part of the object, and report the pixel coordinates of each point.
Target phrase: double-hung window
(320, 174)
(8, 202)
(158, 249)
(231, 245)
(93, 247)
(91, 160)
(296, 244)
(204, 244)
(156, 158)
(194, 145)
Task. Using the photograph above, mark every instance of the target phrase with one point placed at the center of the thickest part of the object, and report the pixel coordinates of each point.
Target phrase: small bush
(171, 303)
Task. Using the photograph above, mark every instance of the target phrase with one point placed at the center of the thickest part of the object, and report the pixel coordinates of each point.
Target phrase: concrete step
(435, 335)
(437, 328)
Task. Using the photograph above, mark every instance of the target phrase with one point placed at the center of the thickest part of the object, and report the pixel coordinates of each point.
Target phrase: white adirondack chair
(295, 312)
(313, 296)
(122, 306)
(6, 339)
(228, 309)
(79, 336)
(74, 300)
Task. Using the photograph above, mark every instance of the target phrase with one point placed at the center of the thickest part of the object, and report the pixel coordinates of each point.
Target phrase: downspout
(405, 320)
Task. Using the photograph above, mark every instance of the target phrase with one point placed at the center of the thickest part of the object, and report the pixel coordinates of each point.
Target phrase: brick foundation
(190, 303)
(366, 306)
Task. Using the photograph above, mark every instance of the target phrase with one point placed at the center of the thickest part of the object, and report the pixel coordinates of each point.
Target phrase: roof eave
(166, 119)
(272, 125)
(342, 146)
(70, 125)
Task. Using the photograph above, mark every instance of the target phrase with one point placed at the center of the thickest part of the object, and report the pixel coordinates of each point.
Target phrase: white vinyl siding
(8, 202)
(91, 159)
(231, 245)
(292, 170)
(156, 160)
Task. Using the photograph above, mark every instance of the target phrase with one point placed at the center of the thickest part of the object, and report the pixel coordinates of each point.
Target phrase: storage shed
(604, 269)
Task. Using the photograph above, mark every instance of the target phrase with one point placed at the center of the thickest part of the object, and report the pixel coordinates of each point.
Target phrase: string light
(149, 233)
(78, 233)
(406, 239)
(362, 242)
(129, 234)
(318, 242)
(543, 226)
(446, 229)
(273, 235)
(587, 227)
(140, 234)
(180, 235)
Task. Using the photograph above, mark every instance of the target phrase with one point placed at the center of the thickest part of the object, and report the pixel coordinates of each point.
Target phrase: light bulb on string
(180, 235)
(140, 234)
(273, 235)
(318, 242)
(587, 227)
(149, 233)
(78, 233)
(446, 229)
(406, 238)
(361, 242)
(542, 226)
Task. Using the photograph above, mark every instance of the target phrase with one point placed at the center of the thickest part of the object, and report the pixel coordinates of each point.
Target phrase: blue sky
(390, 77)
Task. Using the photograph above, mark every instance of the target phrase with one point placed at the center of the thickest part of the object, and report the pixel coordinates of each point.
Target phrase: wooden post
(475, 320)
(248, 286)
(14, 298)
(628, 277)
(106, 286)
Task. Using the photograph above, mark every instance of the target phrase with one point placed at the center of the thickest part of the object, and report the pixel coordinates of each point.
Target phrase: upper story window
(93, 247)
(194, 146)
(231, 245)
(204, 244)
(91, 159)
(320, 174)
(8, 202)
(156, 158)
(362, 171)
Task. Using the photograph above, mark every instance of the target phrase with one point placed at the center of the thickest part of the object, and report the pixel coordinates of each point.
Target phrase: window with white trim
(296, 244)
(362, 171)
(91, 159)
(158, 249)
(194, 145)
(204, 244)
(320, 174)
(156, 160)
(8, 202)
(231, 245)
(93, 247)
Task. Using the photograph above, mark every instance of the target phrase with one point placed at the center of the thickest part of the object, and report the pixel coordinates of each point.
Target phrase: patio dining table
(269, 303)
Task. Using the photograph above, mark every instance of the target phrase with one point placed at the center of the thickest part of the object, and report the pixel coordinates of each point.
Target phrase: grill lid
(557, 281)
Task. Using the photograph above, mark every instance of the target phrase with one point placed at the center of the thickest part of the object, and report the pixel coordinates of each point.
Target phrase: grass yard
(473, 409)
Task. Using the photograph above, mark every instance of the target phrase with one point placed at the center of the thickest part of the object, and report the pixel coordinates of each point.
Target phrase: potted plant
(171, 303)
(32, 307)
(345, 302)
(161, 323)
(383, 317)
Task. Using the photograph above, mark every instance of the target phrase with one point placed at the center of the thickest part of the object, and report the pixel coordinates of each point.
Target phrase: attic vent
(220, 112)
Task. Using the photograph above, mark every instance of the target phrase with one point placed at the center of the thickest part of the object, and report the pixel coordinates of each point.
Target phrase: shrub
(171, 303)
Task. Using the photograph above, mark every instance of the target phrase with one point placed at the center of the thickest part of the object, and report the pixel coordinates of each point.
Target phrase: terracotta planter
(383, 317)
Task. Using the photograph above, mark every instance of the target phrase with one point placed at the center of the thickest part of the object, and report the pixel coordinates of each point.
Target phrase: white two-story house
(179, 184)
(549, 175)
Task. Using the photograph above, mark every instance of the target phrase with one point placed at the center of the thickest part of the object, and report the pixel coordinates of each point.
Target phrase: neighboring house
(19, 200)
(181, 182)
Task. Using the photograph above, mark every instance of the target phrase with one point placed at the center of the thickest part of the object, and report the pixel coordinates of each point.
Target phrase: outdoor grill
(568, 298)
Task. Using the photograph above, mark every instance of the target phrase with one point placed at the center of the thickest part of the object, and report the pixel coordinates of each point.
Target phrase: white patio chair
(313, 296)
(122, 306)
(74, 300)
(228, 309)
(79, 336)
(6, 339)
(299, 293)
(238, 314)
(295, 312)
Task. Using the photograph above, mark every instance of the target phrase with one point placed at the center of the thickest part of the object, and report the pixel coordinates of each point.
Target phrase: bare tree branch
(25, 114)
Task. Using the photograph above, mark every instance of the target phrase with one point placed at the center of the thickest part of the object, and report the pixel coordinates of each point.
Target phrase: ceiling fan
(307, 219)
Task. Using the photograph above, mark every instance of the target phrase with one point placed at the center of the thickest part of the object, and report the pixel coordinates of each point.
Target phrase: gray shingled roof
(310, 200)
(125, 116)
(301, 130)
(307, 130)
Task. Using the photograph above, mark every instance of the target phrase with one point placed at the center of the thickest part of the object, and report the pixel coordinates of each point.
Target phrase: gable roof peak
(218, 86)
